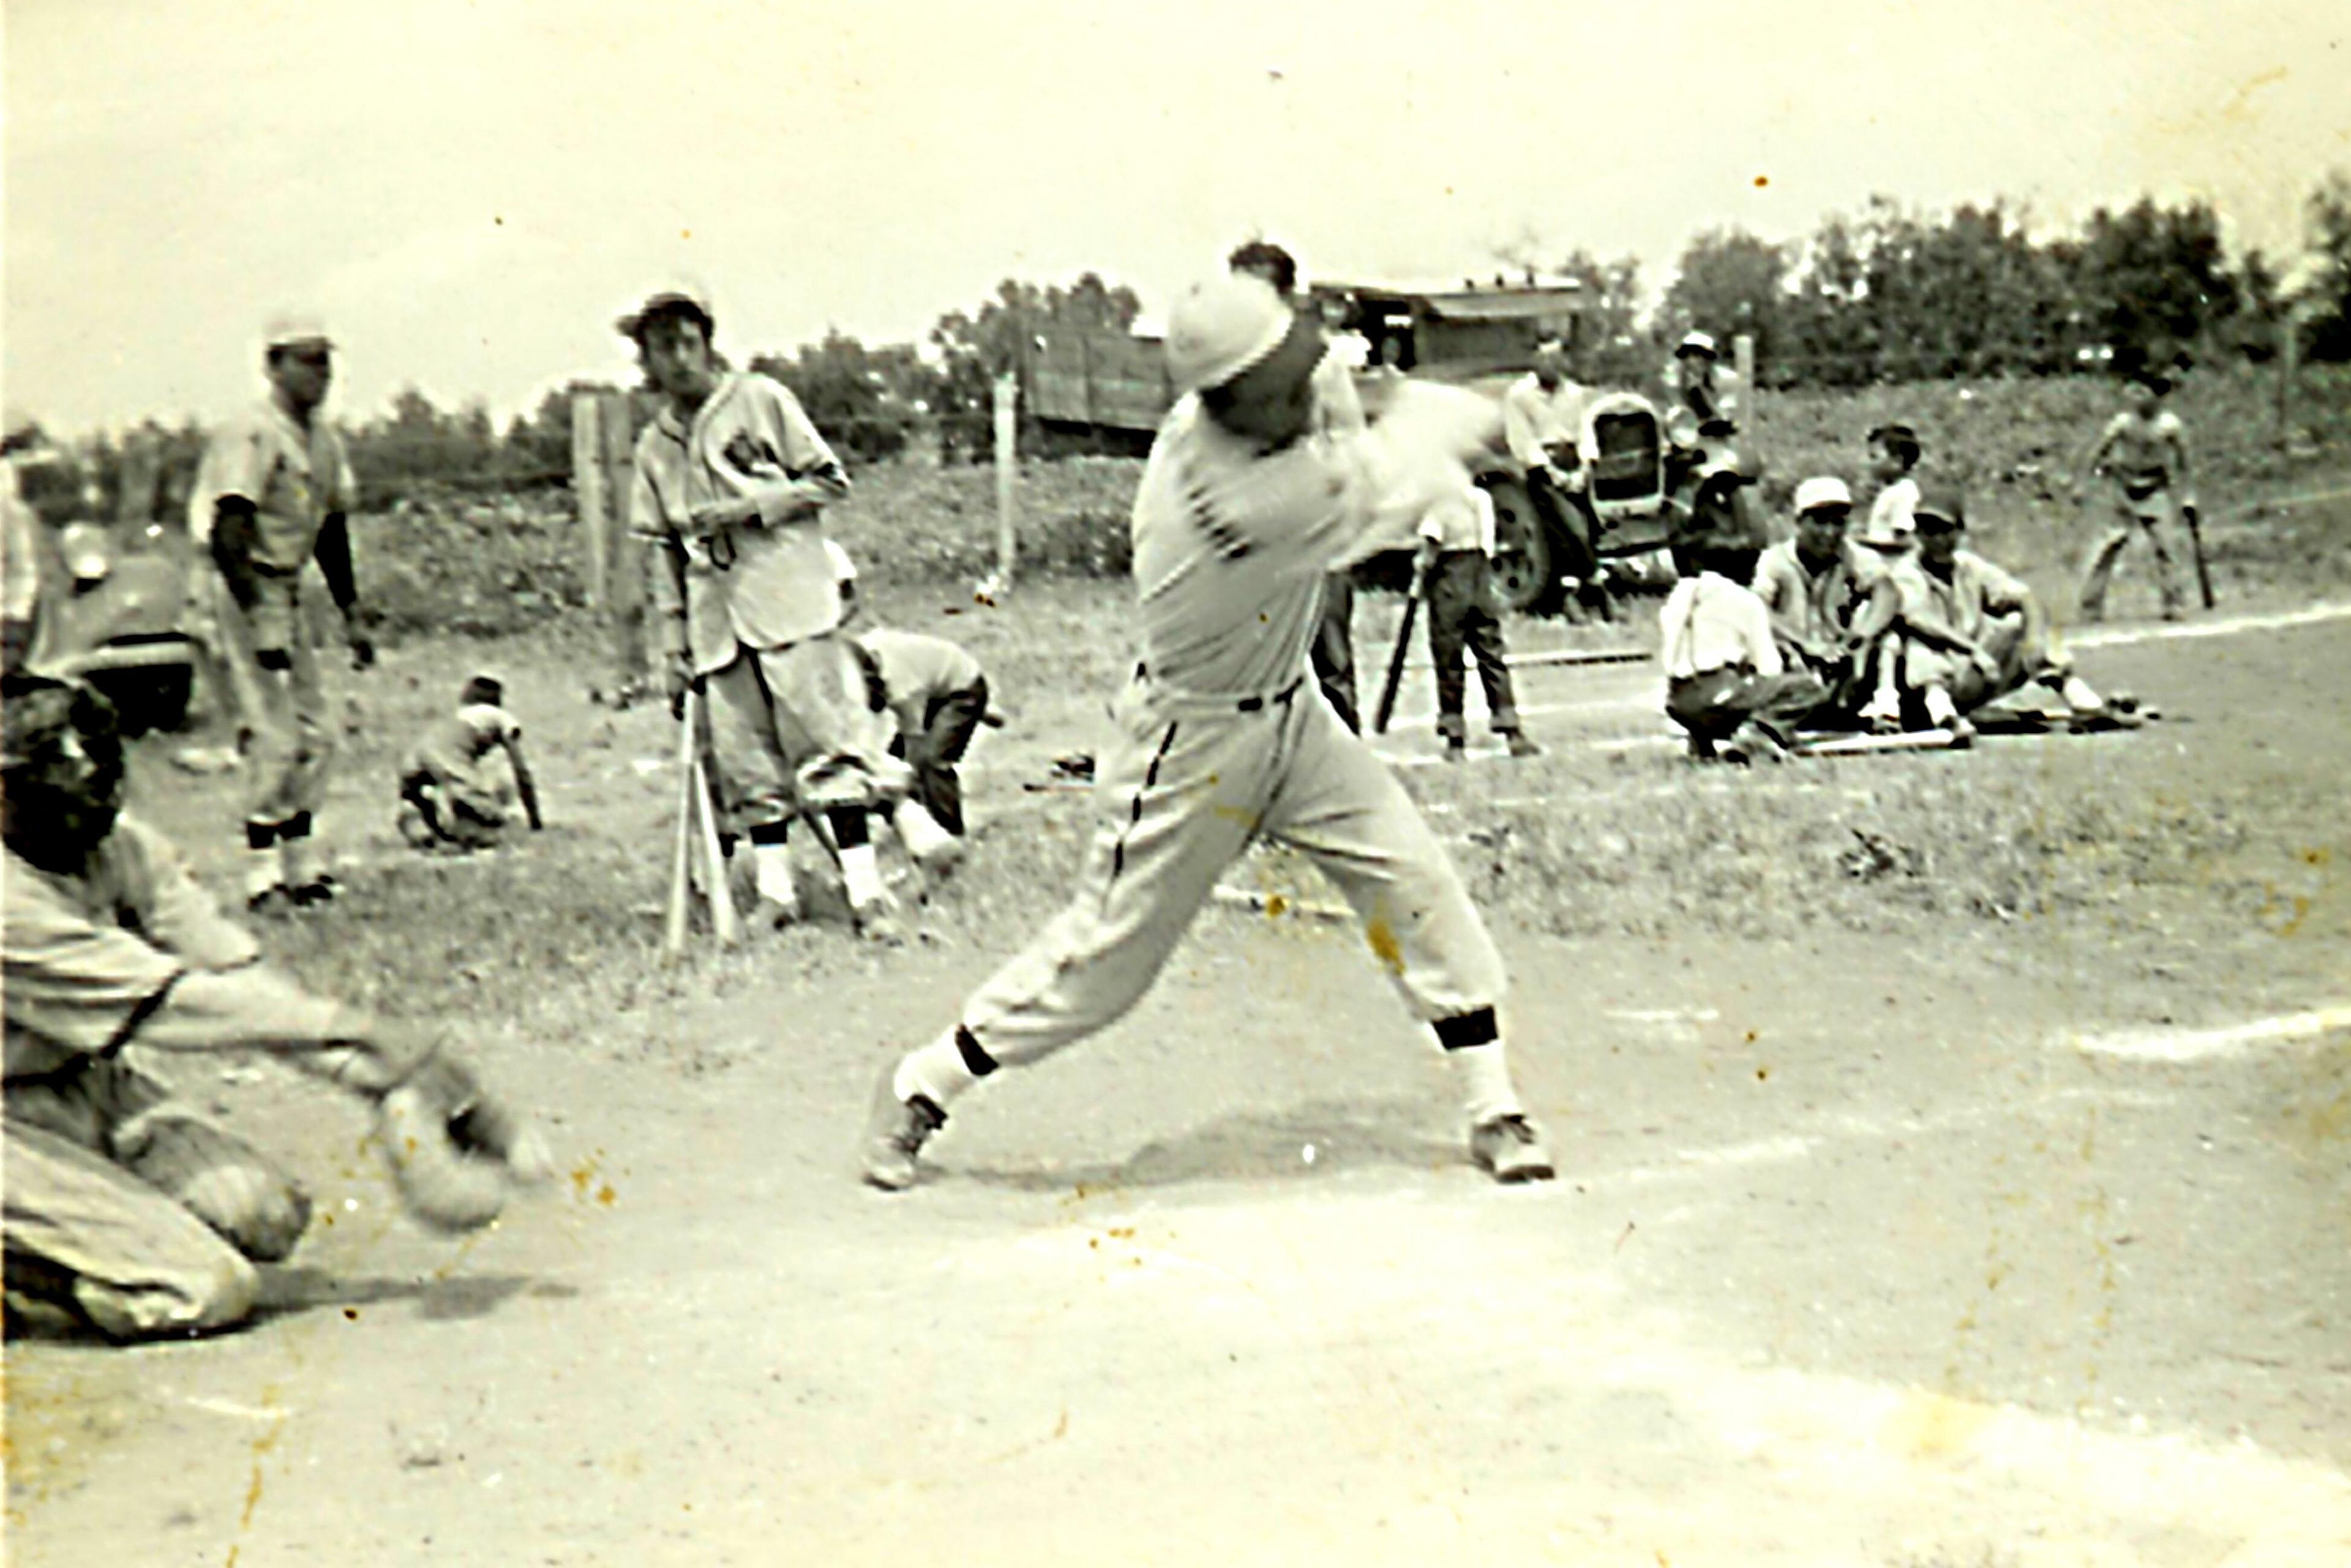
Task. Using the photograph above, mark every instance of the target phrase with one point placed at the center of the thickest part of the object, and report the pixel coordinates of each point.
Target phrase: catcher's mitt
(453, 1150)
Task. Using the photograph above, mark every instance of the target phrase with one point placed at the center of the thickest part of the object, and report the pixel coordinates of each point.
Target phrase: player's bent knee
(258, 1211)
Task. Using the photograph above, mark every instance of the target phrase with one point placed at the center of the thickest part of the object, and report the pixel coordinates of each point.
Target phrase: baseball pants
(2156, 515)
(797, 727)
(1185, 788)
(1333, 648)
(133, 1212)
(456, 807)
(271, 662)
(949, 721)
(1461, 617)
(2022, 662)
(1573, 530)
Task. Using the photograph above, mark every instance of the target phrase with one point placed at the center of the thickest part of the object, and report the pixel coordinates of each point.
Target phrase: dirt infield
(1864, 1251)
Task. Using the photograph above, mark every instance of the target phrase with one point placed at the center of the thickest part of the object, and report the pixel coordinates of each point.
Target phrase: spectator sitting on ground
(1973, 633)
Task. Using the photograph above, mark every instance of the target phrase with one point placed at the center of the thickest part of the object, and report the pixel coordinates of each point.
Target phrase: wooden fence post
(1007, 477)
(625, 588)
(2289, 353)
(1742, 359)
(588, 491)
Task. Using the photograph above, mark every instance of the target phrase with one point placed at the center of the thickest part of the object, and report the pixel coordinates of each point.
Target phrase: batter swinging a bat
(1224, 738)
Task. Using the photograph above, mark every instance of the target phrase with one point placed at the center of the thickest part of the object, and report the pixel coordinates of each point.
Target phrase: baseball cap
(294, 328)
(1823, 490)
(1698, 343)
(1221, 327)
(1941, 504)
(674, 298)
(1895, 430)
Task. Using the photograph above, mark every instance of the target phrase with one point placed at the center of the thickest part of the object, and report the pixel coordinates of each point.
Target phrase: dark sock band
(848, 826)
(975, 1060)
(769, 833)
(272, 659)
(1463, 1030)
(260, 835)
(296, 826)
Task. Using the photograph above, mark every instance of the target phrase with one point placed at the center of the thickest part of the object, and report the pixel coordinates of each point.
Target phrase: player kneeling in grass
(449, 795)
(1725, 680)
(127, 1211)
(934, 692)
(1972, 633)
(1223, 737)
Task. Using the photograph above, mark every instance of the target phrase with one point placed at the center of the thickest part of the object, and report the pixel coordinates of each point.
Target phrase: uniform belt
(1252, 703)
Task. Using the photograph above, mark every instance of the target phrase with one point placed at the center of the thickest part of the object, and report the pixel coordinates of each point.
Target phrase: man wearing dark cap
(129, 1212)
(731, 479)
(1974, 633)
(2143, 453)
(274, 495)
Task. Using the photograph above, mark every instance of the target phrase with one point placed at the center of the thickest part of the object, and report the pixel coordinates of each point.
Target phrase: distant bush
(439, 558)
(914, 522)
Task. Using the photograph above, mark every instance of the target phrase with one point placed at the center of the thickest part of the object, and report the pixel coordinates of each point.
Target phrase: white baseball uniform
(1222, 738)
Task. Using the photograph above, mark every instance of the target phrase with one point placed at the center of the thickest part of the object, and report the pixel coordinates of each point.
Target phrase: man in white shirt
(1725, 682)
(1542, 425)
(1456, 538)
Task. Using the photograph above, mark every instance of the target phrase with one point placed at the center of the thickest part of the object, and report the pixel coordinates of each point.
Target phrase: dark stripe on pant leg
(975, 1060)
(1134, 807)
(1465, 1030)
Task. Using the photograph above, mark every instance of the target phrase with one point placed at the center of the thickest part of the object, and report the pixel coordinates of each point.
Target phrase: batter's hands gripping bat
(2196, 546)
(1386, 709)
(681, 867)
(725, 922)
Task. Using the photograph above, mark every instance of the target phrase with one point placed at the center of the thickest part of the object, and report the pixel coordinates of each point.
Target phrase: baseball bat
(681, 867)
(723, 921)
(2195, 547)
(1386, 710)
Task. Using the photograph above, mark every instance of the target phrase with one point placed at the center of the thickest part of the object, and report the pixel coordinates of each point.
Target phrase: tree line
(1885, 294)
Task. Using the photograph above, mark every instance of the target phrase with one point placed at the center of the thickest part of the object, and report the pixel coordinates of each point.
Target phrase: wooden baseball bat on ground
(680, 868)
(725, 922)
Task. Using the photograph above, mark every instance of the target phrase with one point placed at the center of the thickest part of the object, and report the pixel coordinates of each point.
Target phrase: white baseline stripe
(2227, 626)
(2234, 1040)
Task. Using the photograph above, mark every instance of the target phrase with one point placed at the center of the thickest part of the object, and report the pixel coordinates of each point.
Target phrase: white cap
(1698, 343)
(1222, 327)
(1823, 490)
(291, 328)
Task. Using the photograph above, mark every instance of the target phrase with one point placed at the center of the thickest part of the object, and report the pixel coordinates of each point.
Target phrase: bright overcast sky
(470, 191)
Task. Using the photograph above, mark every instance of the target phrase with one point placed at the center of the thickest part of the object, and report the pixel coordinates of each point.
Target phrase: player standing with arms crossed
(1223, 738)
(274, 495)
(730, 480)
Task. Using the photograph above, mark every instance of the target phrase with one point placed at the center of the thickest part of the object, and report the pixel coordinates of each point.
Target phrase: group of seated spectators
(1884, 626)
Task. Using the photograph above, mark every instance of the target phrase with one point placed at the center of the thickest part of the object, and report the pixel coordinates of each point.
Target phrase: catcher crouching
(126, 1210)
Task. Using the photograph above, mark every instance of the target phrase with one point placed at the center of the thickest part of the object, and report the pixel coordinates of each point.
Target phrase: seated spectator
(1972, 633)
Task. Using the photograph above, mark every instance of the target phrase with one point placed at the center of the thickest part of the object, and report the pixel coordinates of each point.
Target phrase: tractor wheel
(1524, 574)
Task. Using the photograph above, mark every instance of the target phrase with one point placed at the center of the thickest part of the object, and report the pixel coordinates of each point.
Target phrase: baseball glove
(453, 1150)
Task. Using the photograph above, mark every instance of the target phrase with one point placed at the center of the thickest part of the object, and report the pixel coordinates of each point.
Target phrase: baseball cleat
(895, 1131)
(1521, 747)
(878, 922)
(1456, 751)
(773, 914)
(1511, 1149)
(1962, 731)
(940, 861)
